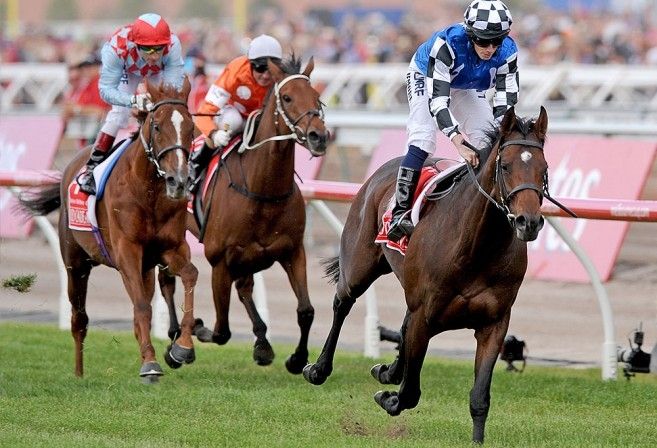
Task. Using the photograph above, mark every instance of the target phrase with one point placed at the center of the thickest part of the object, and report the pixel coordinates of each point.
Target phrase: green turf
(225, 400)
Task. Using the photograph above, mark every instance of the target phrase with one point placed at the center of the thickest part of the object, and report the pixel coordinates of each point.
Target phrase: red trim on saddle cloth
(428, 173)
(77, 208)
(213, 165)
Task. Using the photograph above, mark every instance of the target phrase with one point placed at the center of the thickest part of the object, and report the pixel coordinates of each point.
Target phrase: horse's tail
(41, 201)
(332, 269)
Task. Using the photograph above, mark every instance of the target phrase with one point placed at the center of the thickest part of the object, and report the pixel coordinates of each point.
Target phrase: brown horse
(463, 266)
(256, 214)
(141, 218)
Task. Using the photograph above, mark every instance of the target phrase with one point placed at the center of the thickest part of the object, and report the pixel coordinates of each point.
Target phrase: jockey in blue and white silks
(145, 48)
(446, 82)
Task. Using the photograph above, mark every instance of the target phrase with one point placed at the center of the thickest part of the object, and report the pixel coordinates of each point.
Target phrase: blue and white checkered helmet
(488, 19)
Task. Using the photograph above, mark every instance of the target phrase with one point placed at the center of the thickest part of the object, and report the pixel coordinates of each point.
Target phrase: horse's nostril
(170, 180)
(521, 221)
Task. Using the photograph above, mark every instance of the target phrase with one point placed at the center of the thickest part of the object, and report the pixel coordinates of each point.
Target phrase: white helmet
(264, 46)
(488, 19)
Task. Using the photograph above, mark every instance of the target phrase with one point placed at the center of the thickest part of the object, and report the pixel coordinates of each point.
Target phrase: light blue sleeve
(110, 78)
(174, 65)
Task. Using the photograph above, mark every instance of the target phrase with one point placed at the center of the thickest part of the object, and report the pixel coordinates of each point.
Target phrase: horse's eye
(505, 167)
(287, 98)
(156, 127)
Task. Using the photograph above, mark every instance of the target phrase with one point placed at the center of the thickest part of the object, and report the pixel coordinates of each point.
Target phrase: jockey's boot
(197, 162)
(99, 152)
(401, 224)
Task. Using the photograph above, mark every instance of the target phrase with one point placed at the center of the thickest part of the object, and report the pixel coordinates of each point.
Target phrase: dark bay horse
(256, 214)
(141, 218)
(463, 266)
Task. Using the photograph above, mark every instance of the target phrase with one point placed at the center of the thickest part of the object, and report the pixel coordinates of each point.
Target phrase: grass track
(225, 400)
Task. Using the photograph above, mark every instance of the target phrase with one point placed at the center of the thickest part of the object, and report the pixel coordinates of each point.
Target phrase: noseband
(280, 110)
(148, 146)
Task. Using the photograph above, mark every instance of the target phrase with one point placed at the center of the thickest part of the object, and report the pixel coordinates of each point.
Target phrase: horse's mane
(493, 135)
(289, 66)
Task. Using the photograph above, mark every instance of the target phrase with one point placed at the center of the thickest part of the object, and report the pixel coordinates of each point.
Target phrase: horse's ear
(275, 71)
(309, 67)
(186, 88)
(541, 123)
(509, 121)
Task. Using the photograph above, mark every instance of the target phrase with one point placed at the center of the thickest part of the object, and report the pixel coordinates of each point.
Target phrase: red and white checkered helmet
(150, 29)
(488, 19)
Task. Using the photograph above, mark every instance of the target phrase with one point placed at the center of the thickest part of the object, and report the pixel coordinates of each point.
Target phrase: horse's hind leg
(221, 282)
(78, 280)
(296, 273)
(167, 284)
(263, 353)
(415, 348)
(489, 342)
(392, 373)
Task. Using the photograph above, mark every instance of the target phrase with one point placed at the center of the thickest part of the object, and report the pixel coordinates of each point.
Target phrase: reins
(505, 196)
(148, 146)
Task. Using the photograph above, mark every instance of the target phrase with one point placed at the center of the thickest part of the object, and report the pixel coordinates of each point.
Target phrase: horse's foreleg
(263, 354)
(221, 282)
(178, 263)
(415, 348)
(140, 287)
(78, 280)
(167, 284)
(296, 273)
(489, 342)
(392, 373)
(318, 373)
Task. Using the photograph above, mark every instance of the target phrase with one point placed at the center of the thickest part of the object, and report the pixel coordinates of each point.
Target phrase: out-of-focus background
(591, 63)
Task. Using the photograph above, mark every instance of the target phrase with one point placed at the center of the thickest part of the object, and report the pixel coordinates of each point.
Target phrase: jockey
(446, 84)
(239, 90)
(143, 49)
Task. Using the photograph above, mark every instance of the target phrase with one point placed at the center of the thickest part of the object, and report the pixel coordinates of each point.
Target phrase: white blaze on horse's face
(526, 156)
(177, 120)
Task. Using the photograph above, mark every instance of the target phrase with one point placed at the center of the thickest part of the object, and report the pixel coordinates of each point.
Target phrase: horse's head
(521, 172)
(167, 134)
(298, 104)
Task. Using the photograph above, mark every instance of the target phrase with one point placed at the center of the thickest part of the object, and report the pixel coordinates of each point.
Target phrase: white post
(160, 318)
(609, 344)
(260, 298)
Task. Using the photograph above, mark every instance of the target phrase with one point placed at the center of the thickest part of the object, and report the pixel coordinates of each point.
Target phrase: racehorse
(463, 265)
(255, 213)
(141, 220)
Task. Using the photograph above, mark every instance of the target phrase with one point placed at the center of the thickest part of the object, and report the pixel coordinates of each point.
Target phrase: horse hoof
(295, 364)
(312, 375)
(203, 334)
(149, 370)
(179, 355)
(378, 370)
(174, 334)
(389, 401)
(221, 338)
(263, 353)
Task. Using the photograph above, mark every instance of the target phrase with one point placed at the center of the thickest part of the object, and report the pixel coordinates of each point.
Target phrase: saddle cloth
(429, 178)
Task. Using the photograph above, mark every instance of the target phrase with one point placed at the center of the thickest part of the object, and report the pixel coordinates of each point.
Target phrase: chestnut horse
(255, 213)
(141, 218)
(463, 266)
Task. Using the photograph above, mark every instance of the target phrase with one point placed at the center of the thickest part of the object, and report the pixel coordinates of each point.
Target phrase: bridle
(296, 132)
(505, 195)
(148, 146)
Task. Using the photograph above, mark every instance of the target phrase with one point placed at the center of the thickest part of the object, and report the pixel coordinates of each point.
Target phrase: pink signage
(580, 167)
(27, 142)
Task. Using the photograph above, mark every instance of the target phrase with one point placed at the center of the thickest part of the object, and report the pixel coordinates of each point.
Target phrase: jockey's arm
(205, 121)
(110, 78)
(173, 63)
(216, 98)
(506, 87)
(441, 82)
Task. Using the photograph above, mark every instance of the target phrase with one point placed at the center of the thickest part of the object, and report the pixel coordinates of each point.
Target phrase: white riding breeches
(117, 118)
(470, 108)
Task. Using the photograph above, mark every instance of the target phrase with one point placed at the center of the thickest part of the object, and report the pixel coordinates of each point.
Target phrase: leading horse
(255, 212)
(463, 266)
(141, 220)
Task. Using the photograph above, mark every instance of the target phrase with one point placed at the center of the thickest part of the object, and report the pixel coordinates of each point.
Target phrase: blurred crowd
(544, 37)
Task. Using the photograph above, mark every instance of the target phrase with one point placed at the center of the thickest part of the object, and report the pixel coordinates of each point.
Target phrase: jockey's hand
(220, 138)
(468, 154)
(142, 102)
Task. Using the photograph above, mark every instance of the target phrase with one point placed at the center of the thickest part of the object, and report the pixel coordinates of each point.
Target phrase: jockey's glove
(142, 102)
(220, 138)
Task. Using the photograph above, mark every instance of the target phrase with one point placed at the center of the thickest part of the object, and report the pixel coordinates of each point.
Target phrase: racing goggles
(150, 49)
(260, 65)
(484, 43)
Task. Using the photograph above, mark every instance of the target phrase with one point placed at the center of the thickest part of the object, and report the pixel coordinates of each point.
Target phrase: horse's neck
(137, 171)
